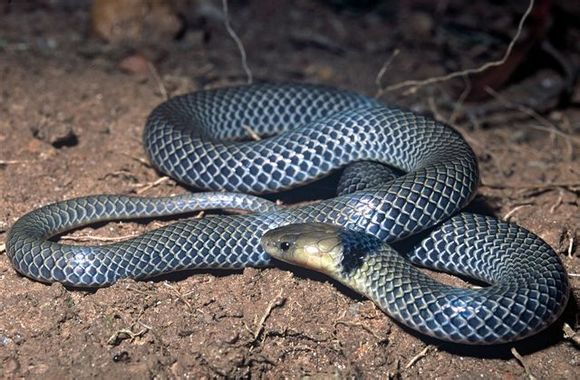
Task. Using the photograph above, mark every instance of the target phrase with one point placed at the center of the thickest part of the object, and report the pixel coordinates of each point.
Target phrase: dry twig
(414, 85)
(510, 213)
(143, 187)
(382, 71)
(157, 78)
(252, 133)
(85, 238)
(276, 302)
(558, 202)
(237, 40)
(419, 356)
(180, 296)
(571, 335)
(12, 162)
(435, 110)
(520, 360)
(459, 103)
(123, 334)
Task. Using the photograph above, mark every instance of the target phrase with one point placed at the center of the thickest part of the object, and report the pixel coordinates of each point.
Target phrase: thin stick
(276, 302)
(419, 356)
(558, 202)
(435, 110)
(252, 133)
(123, 334)
(459, 103)
(571, 335)
(179, 295)
(520, 360)
(513, 211)
(11, 162)
(416, 84)
(84, 238)
(150, 185)
(238, 42)
(382, 72)
(157, 78)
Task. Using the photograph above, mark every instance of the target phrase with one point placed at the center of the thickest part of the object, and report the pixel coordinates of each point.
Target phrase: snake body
(312, 130)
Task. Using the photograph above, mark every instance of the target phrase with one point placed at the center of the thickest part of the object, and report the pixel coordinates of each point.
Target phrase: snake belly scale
(313, 130)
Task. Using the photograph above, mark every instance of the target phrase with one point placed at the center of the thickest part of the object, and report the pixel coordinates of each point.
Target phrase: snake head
(311, 245)
(325, 248)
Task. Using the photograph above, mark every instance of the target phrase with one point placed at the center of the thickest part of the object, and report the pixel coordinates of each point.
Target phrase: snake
(405, 177)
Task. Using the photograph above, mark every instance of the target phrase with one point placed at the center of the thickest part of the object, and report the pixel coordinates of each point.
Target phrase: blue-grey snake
(311, 131)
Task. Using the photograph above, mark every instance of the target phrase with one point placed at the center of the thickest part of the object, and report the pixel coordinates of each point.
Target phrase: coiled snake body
(312, 131)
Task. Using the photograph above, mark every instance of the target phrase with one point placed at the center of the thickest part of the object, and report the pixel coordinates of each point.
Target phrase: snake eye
(284, 246)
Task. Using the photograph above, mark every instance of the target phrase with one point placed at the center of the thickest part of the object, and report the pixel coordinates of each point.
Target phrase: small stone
(11, 366)
(134, 21)
(135, 64)
(56, 134)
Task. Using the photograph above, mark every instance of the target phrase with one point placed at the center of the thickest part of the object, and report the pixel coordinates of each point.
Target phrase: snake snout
(280, 242)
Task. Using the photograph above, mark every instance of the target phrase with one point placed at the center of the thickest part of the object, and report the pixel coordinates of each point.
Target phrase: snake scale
(201, 139)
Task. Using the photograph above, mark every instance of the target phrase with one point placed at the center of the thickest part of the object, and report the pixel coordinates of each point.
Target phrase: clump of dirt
(71, 126)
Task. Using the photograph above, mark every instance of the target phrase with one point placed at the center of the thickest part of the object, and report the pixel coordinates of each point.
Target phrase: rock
(56, 134)
(134, 21)
(135, 64)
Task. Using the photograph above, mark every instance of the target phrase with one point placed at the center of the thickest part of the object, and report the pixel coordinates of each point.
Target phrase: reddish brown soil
(71, 125)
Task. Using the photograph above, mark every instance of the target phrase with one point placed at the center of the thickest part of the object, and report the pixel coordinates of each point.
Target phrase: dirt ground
(72, 112)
